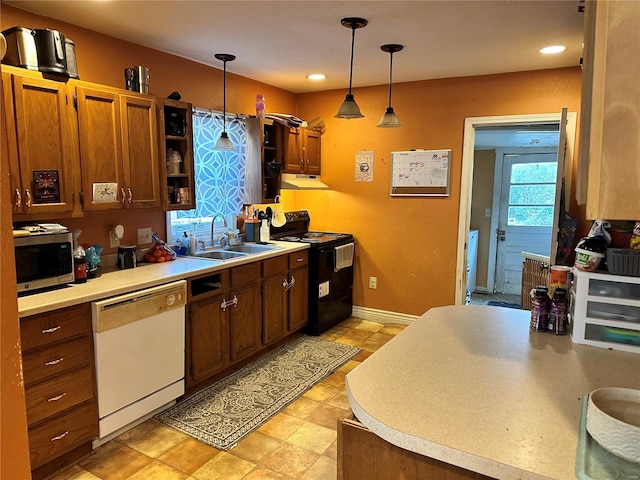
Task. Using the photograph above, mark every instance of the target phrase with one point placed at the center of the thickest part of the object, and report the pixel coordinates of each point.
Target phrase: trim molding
(383, 316)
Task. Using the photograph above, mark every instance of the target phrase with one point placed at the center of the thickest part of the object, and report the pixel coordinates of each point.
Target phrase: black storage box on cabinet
(50, 45)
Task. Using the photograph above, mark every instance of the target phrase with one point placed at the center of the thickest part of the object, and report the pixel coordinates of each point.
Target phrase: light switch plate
(144, 236)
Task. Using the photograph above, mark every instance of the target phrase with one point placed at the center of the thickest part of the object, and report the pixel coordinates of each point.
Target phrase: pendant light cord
(390, 73)
(224, 97)
(353, 41)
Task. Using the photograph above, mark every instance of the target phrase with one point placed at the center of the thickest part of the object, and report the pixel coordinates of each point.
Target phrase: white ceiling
(280, 42)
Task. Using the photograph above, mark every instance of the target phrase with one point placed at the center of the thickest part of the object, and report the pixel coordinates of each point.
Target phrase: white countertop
(474, 387)
(117, 282)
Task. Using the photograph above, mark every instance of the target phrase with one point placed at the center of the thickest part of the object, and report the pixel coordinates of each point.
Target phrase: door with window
(526, 218)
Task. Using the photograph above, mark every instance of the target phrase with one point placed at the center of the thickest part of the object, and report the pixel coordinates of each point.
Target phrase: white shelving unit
(605, 310)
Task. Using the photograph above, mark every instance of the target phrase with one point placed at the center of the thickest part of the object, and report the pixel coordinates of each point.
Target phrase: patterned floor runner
(222, 414)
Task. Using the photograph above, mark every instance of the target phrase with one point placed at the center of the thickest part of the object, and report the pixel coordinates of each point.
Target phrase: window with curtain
(219, 178)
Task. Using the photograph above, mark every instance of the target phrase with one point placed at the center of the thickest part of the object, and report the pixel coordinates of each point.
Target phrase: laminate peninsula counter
(473, 387)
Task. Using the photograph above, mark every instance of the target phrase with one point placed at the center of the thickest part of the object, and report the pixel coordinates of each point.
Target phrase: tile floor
(298, 443)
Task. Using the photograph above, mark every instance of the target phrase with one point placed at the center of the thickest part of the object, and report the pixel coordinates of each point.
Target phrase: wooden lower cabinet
(298, 291)
(274, 299)
(362, 454)
(207, 339)
(245, 312)
(236, 315)
(60, 388)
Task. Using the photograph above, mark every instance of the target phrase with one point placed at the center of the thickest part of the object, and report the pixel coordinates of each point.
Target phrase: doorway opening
(516, 155)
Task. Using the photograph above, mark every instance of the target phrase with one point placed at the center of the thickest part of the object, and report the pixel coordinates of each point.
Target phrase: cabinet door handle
(285, 284)
(56, 398)
(291, 283)
(122, 194)
(54, 362)
(224, 304)
(18, 198)
(130, 197)
(27, 194)
(59, 437)
(52, 329)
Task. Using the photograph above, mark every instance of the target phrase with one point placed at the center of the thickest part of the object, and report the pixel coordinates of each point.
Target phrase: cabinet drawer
(62, 435)
(58, 394)
(55, 359)
(273, 266)
(245, 274)
(298, 259)
(49, 327)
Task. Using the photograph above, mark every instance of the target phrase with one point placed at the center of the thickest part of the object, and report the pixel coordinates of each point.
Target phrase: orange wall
(408, 243)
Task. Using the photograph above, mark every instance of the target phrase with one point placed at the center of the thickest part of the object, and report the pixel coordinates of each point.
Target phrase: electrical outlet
(373, 282)
(487, 212)
(113, 240)
(144, 236)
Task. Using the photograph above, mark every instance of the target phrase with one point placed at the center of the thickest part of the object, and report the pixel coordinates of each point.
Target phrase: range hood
(293, 181)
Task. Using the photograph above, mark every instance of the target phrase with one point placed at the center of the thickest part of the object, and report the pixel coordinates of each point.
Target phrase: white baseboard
(383, 316)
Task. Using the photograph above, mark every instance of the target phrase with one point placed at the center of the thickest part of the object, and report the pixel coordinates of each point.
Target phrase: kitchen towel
(344, 256)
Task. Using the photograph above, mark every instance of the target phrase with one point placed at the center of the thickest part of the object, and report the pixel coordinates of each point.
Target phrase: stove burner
(314, 234)
(290, 239)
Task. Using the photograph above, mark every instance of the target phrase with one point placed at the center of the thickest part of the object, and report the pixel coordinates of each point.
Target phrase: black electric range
(330, 288)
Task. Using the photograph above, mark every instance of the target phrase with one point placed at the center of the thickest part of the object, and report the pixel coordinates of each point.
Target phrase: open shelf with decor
(176, 155)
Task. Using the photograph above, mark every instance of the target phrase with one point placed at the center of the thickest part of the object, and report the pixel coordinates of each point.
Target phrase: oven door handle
(327, 250)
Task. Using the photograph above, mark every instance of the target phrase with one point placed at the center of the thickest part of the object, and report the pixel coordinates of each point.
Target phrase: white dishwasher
(139, 341)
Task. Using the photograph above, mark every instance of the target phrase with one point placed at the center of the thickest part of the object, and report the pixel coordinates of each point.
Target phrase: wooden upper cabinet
(311, 152)
(302, 151)
(610, 153)
(118, 149)
(41, 143)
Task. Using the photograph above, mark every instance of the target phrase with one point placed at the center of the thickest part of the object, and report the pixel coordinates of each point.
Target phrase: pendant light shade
(349, 108)
(390, 119)
(224, 143)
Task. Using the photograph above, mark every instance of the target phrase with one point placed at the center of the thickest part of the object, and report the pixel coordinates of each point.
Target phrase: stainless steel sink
(251, 248)
(219, 255)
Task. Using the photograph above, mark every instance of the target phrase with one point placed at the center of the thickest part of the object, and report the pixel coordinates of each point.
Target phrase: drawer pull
(54, 362)
(56, 398)
(52, 329)
(60, 437)
(300, 259)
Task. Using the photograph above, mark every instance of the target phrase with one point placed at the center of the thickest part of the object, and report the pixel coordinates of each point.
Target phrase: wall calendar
(420, 173)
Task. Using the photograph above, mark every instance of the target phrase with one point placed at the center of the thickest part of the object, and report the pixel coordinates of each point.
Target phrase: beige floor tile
(375, 341)
(158, 471)
(362, 356)
(321, 392)
(302, 408)
(189, 455)
(328, 416)
(281, 426)
(157, 440)
(261, 473)
(369, 326)
(74, 473)
(313, 437)
(350, 365)
(325, 468)
(350, 322)
(332, 451)
(224, 467)
(138, 430)
(341, 401)
(336, 379)
(289, 459)
(116, 464)
(255, 446)
(392, 329)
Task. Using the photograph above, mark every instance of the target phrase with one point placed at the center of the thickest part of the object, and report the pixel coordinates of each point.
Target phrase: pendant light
(390, 119)
(349, 108)
(224, 143)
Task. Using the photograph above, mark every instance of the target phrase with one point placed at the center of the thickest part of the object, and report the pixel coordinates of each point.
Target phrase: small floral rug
(225, 412)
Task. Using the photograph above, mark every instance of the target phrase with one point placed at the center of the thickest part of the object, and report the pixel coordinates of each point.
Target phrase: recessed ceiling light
(553, 49)
(316, 76)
